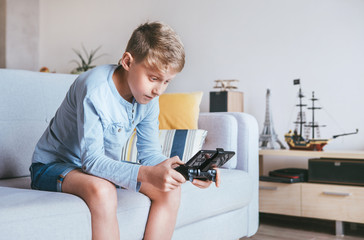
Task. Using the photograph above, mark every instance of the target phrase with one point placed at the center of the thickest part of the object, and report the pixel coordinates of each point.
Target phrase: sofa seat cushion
(43, 214)
(26, 212)
(19, 182)
(30, 209)
(235, 192)
(132, 212)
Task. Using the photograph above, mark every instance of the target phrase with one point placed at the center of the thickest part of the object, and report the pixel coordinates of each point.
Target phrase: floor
(278, 227)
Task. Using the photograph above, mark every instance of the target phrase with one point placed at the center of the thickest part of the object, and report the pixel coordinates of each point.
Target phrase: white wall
(263, 43)
(19, 29)
(2, 33)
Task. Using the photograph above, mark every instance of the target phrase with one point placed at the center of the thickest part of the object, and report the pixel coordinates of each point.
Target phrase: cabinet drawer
(334, 202)
(280, 198)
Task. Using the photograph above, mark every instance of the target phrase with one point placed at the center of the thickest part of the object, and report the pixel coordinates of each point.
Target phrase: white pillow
(182, 143)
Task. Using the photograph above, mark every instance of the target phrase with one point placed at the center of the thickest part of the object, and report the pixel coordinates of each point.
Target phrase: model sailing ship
(295, 139)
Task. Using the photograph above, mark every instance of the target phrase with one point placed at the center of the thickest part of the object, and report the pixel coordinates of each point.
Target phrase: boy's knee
(103, 193)
(172, 198)
(176, 194)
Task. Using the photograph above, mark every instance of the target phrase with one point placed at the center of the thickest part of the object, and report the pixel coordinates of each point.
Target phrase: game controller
(201, 165)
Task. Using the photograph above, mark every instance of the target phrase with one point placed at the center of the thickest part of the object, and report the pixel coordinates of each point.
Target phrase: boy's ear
(126, 60)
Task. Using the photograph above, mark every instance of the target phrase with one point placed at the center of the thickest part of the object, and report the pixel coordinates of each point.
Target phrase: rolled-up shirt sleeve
(92, 152)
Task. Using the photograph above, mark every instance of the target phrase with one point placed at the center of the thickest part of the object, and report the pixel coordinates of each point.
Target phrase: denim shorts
(49, 177)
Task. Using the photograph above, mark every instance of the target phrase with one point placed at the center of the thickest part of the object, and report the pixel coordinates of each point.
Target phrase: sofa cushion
(20, 182)
(179, 110)
(26, 209)
(236, 191)
(27, 213)
(133, 211)
(182, 143)
(197, 204)
(229, 225)
(28, 102)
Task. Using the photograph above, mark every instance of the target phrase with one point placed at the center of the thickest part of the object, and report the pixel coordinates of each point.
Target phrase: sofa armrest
(243, 128)
(248, 142)
(222, 133)
(236, 132)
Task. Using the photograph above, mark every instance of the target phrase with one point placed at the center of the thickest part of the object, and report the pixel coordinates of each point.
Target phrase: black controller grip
(182, 169)
(191, 173)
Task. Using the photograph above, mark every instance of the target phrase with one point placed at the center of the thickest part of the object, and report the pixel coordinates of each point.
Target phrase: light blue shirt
(92, 125)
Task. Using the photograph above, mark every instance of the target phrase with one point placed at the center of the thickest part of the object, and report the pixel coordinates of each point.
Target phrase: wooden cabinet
(333, 202)
(280, 198)
(341, 203)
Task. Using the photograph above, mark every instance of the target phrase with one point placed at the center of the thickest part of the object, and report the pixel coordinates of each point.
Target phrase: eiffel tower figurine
(269, 139)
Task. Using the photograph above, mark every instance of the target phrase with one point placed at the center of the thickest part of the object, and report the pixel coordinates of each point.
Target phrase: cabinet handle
(268, 188)
(342, 194)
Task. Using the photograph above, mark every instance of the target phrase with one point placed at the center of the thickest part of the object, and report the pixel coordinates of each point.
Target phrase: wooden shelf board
(322, 154)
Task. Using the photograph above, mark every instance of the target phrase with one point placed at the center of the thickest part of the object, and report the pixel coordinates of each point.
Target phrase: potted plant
(85, 62)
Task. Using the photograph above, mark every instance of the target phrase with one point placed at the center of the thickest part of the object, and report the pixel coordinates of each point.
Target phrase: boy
(79, 153)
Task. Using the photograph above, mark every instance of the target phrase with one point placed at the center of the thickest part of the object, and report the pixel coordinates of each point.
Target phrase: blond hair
(158, 45)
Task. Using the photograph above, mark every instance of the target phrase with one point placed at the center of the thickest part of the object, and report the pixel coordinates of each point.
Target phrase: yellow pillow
(179, 110)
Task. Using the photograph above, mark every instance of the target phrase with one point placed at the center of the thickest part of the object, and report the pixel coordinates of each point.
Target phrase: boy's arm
(148, 145)
(162, 176)
(92, 152)
(156, 168)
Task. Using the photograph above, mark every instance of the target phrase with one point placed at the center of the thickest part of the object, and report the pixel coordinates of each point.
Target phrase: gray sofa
(28, 101)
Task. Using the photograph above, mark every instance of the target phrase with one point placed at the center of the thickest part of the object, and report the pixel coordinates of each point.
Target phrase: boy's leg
(163, 212)
(100, 196)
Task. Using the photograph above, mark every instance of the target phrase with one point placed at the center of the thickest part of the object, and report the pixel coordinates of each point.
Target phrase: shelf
(322, 154)
(326, 201)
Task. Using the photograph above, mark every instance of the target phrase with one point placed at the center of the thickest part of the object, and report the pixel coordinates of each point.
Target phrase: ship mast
(300, 95)
(313, 125)
(300, 105)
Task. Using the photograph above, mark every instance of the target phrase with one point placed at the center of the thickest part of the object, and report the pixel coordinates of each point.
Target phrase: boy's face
(146, 83)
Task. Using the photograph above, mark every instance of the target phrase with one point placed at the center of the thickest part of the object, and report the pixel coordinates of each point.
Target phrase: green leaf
(78, 64)
(85, 63)
(84, 49)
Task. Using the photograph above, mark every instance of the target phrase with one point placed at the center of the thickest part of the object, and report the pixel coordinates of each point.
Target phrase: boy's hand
(163, 176)
(206, 184)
